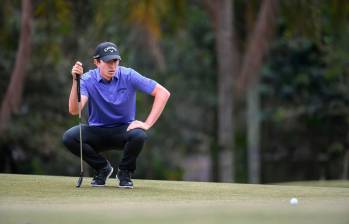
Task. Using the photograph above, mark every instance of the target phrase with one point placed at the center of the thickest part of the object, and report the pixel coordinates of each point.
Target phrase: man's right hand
(77, 69)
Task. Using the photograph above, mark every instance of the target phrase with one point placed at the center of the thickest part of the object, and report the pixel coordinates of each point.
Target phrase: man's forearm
(73, 99)
(160, 99)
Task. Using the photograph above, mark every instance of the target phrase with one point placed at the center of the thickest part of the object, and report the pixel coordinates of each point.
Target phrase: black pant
(99, 139)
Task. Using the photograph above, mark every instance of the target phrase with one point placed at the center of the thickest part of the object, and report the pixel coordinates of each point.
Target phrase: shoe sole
(125, 187)
(96, 185)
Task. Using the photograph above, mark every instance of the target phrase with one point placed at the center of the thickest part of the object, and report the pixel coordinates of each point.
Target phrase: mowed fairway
(51, 199)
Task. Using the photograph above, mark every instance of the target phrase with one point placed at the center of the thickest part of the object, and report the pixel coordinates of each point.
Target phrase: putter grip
(78, 86)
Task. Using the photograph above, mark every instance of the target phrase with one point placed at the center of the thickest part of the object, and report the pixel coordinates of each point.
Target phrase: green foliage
(304, 84)
(306, 99)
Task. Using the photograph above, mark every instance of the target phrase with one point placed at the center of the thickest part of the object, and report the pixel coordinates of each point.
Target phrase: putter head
(78, 184)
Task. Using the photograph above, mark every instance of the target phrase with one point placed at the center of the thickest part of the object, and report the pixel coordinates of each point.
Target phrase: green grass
(320, 183)
(51, 199)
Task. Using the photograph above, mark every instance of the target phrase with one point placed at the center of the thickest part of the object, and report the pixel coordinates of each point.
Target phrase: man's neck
(105, 78)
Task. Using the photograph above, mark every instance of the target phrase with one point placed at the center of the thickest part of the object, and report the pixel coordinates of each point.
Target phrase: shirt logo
(110, 49)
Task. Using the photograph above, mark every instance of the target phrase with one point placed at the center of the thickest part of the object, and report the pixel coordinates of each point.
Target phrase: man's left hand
(138, 124)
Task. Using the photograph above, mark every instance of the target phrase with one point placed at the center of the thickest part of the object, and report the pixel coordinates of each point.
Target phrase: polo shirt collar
(100, 78)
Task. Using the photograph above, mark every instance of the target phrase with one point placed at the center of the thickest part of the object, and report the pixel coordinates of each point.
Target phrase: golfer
(110, 91)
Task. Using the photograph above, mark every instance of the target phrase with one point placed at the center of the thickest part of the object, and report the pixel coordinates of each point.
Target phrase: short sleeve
(83, 86)
(142, 83)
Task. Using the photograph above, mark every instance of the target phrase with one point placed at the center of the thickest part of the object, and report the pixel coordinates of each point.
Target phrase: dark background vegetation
(299, 92)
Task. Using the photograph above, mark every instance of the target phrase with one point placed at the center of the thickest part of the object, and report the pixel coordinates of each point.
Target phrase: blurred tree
(12, 100)
(309, 97)
(228, 62)
(258, 44)
(221, 13)
(303, 87)
(33, 137)
(311, 28)
(146, 15)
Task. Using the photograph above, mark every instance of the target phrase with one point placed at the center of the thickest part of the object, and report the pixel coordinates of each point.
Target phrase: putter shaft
(80, 127)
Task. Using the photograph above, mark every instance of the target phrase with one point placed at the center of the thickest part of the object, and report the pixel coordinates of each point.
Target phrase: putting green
(52, 199)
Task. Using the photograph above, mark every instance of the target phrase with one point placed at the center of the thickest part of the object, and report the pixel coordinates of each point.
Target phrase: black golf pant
(99, 139)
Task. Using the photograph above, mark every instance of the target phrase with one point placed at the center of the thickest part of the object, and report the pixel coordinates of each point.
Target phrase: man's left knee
(137, 134)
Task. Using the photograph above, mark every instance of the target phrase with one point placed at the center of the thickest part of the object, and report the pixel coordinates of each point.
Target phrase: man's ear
(96, 62)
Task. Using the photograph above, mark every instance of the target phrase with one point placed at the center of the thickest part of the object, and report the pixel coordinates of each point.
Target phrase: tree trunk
(345, 175)
(221, 13)
(258, 45)
(145, 15)
(155, 49)
(13, 96)
(249, 78)
(253, 134)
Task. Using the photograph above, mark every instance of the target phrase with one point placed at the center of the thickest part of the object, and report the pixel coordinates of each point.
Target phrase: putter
(78, 184)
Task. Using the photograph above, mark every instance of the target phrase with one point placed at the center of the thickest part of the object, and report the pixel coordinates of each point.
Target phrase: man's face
(107, 68)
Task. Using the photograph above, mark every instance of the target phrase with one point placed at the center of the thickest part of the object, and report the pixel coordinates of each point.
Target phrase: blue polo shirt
(113, 103)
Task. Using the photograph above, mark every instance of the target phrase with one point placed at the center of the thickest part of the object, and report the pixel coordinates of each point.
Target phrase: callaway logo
(110, 49)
